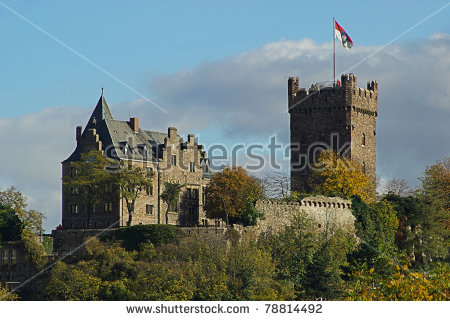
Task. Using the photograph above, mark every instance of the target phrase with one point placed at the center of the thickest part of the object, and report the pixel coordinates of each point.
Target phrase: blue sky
(220, 69)
(140, 39)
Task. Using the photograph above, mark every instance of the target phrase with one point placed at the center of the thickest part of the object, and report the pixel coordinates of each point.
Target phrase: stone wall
(342, 118)
(326, 211)
(14, 266)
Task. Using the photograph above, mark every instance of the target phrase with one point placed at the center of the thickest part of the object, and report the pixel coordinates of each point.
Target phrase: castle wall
(325, 211)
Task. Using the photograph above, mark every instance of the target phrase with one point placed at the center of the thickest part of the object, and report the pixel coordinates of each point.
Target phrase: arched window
(363, 139)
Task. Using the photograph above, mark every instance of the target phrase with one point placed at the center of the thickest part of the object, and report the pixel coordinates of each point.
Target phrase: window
(109, 188)
(149, 209)
(173, 160)
(173, 207)
(73, 172)
(74, 209)
(364, 167)
(92, 208)
(192, 167)
(363, 139)
(205, 169)
(74, 190)
(149, 171)
(4, 258)
(195, 196)
(188, 193)
(203, 194)
(108, 207)
(149, 190)
(204, 222)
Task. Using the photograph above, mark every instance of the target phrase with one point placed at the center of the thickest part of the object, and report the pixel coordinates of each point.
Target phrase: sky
(217, 69)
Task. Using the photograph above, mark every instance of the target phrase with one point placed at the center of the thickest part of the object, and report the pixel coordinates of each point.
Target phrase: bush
(132, 237)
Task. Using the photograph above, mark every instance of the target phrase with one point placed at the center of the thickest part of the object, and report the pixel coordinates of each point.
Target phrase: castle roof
(118, 139)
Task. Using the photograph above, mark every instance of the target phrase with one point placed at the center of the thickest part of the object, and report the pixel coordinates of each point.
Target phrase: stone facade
(167, 156)
(342, 118)
(328, 212)
(14, 267)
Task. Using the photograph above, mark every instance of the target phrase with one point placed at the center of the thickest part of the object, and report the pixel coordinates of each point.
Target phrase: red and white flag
(342, 36)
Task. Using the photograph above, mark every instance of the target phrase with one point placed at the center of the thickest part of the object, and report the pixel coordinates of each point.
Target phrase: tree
(131, 181)
(410, 213)
(376, 226)
(435, 222)
(32, 219)
(11, 226)
(170, 196)
(89, 178)
(251, 215)
(276, 185)
(6, 295)
(94, 172)
(229, 192)
(399, 187)
(337, 176)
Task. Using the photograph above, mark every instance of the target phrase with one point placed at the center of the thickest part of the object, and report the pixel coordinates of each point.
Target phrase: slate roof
(119, 138)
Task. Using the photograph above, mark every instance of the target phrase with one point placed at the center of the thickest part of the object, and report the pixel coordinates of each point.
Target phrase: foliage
(403, 285)
(229, 192)
(338, 176)
(89, 177)
(32, 219)
(6, 295)
(11, 226)
(47, 242)
(131, 181)
(134, 236)
(171, 196)
(435, 223)
(71, 283)
(251, 215)
(34, 251)
(376, 227)
(310, 259)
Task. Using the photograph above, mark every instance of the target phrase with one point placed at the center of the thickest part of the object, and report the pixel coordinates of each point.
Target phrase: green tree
(376, 227)
(131, 180)
(71, 283)
(90, 177)
(170, 196)
(32, 219)
(11, 226)
(435, 223)
(229, 193)
(251, 215)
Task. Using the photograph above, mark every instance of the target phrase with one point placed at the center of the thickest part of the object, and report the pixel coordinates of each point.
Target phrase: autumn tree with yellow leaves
(335, 175)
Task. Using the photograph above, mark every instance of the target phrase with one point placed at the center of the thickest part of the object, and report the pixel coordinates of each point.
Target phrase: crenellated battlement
(325, 211)
(312, 201)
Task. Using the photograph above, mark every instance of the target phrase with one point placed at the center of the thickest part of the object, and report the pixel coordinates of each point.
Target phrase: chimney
(134, 124)
(78, 133)
(191, 139)
(172, 132)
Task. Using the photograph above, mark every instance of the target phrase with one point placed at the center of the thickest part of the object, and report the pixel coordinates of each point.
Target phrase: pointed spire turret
(101, 112)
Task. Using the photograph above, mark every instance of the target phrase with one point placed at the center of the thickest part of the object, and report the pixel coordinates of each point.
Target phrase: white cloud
(33, 147)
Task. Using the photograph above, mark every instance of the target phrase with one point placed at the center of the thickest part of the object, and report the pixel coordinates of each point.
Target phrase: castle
(167, 156)
(341, 117)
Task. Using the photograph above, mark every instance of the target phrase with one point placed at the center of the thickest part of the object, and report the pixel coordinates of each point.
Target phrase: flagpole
(334, 56)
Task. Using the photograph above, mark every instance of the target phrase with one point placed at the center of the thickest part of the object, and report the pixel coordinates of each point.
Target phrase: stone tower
(342, 118)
